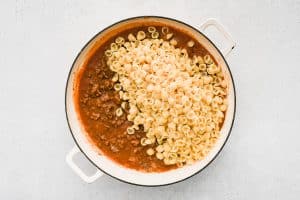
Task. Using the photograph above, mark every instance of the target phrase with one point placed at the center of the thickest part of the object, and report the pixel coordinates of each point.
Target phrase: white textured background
(40, 39)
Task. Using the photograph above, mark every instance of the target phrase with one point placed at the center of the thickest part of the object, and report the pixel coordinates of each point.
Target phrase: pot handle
(221, 29)
(69, 159)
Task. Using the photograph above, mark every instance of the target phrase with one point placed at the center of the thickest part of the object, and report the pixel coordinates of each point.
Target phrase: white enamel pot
(103, 163)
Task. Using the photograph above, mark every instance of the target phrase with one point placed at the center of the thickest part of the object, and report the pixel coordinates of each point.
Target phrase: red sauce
(97, 102)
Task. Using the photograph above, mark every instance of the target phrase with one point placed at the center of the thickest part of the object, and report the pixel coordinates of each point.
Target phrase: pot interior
(104, 163)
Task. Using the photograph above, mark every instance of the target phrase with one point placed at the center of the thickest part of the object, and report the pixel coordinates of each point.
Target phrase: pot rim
(159, 17)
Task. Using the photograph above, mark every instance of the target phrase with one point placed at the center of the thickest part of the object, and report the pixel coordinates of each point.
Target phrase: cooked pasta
(180, 101)
(164, 30)
(119, 112)
(151, 29)
(191, 43)
(155, 35)
(169, 36)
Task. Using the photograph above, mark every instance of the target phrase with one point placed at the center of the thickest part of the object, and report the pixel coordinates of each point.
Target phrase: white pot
(103, 163)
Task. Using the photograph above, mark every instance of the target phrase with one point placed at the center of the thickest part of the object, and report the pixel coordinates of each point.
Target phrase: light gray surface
(40, 39)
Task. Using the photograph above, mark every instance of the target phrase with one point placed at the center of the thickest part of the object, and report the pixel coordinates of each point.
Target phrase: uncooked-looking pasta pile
(179, 101)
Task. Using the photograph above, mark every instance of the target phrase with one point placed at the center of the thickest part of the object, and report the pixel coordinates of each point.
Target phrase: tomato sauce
(97, 102)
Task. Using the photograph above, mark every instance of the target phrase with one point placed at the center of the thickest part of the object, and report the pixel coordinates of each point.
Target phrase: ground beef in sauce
(98, 101)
